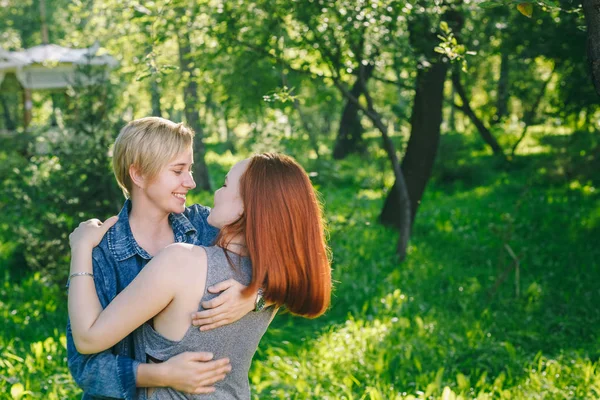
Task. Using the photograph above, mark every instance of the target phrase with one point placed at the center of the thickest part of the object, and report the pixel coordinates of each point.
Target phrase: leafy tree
(337, 42)
(427, 104)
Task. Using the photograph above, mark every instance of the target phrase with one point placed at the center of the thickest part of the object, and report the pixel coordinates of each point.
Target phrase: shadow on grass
(457, 254)
(395, 326)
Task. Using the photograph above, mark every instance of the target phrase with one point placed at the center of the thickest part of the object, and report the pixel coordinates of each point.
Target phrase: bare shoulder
(183, 256)
(180, 250)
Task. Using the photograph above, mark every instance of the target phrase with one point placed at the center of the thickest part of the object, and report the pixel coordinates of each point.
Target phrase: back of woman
(237, 341)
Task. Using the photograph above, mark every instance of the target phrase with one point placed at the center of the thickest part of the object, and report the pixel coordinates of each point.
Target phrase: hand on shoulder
(90, 233)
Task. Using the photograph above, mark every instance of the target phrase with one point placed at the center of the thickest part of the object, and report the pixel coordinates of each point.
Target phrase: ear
(136, 177)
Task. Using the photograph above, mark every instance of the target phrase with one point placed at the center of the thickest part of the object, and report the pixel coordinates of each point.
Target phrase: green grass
(431, 327)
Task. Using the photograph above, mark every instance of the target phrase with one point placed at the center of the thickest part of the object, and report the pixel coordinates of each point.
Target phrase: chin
(177, 209)
(211, 222)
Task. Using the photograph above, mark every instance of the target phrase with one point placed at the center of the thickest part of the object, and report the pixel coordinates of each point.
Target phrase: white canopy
(50, 66)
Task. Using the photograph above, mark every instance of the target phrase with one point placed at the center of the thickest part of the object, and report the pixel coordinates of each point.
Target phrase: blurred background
(454, 144)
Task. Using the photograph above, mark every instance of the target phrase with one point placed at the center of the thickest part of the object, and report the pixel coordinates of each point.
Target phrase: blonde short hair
(148, 144)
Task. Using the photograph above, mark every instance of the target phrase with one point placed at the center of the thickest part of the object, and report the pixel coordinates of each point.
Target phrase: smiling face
(168, 189)
(228, 205)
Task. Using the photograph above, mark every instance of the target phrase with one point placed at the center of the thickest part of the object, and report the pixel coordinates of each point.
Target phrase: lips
(180, 197)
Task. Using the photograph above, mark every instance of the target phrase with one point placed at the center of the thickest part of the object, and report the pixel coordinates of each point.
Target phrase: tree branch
(282, 60)
(393, 82)
(530, 114)
(405, 219)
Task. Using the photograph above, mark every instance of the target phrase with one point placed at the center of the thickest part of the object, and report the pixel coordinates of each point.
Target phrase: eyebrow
(180, 164)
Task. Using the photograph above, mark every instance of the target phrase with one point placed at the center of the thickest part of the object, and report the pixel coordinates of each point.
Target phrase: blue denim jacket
(117, 260)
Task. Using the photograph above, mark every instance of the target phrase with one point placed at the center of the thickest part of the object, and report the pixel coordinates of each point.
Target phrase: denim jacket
(117, 260)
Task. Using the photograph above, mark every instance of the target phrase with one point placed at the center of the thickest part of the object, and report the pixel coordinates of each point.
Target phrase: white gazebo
(51, 67)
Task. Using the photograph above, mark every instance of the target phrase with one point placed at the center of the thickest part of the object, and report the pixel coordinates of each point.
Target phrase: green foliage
(441, 329)
(526, 7)
(444, 324)
(56, 177)
(63, 179)
(33, 353)
(450, 48)
(427, 328)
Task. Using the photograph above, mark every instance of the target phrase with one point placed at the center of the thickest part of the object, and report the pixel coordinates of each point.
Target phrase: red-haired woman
(271, 238)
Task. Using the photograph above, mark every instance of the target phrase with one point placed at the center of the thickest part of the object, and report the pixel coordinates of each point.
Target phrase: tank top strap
(218, 266)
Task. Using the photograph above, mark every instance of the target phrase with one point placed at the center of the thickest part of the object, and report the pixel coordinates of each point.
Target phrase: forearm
(151, 375)
(230, 306)
(96, 329)
(84, 305)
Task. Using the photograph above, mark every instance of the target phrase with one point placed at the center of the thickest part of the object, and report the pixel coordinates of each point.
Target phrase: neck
(238, 245)
(149, 225)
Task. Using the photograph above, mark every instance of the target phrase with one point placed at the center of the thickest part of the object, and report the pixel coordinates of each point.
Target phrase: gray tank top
(237, 341)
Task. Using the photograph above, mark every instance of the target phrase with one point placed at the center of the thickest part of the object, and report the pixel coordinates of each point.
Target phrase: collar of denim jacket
(182, 227)
(123, 245)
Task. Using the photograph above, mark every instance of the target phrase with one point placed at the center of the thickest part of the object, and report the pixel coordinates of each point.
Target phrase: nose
(189, 181)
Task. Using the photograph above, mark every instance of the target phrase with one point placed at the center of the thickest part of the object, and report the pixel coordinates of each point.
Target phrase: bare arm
(95, 330)
(230, 306)
(190, 372)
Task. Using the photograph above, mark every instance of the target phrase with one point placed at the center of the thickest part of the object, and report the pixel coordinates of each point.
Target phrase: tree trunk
(591, 10)
(191, 102)
(349, 136)
(229, 134)
(452, 116)
(426, 117)
(27, 107)
(403, 205)
(423, 142)
(403, 216)
(55, 100)
(9, 123)
(502, 91)
(155, 97)
(466, 108)
(44, 22)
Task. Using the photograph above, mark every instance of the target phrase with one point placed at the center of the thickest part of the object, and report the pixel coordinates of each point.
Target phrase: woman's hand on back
(228, 307)
(90, 233)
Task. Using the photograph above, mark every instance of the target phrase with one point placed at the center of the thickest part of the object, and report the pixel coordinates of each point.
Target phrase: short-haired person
(152, 162)
(271, 237)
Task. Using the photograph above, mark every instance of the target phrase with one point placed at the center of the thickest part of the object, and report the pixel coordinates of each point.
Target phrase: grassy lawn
(439, 325)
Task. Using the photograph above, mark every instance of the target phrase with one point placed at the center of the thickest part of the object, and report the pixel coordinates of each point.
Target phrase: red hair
(283, 226)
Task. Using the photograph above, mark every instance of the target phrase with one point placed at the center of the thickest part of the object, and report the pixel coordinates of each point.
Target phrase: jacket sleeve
(102, 375)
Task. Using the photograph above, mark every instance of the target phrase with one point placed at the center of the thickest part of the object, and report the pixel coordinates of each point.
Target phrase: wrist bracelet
(259, 303)
(73, 275)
